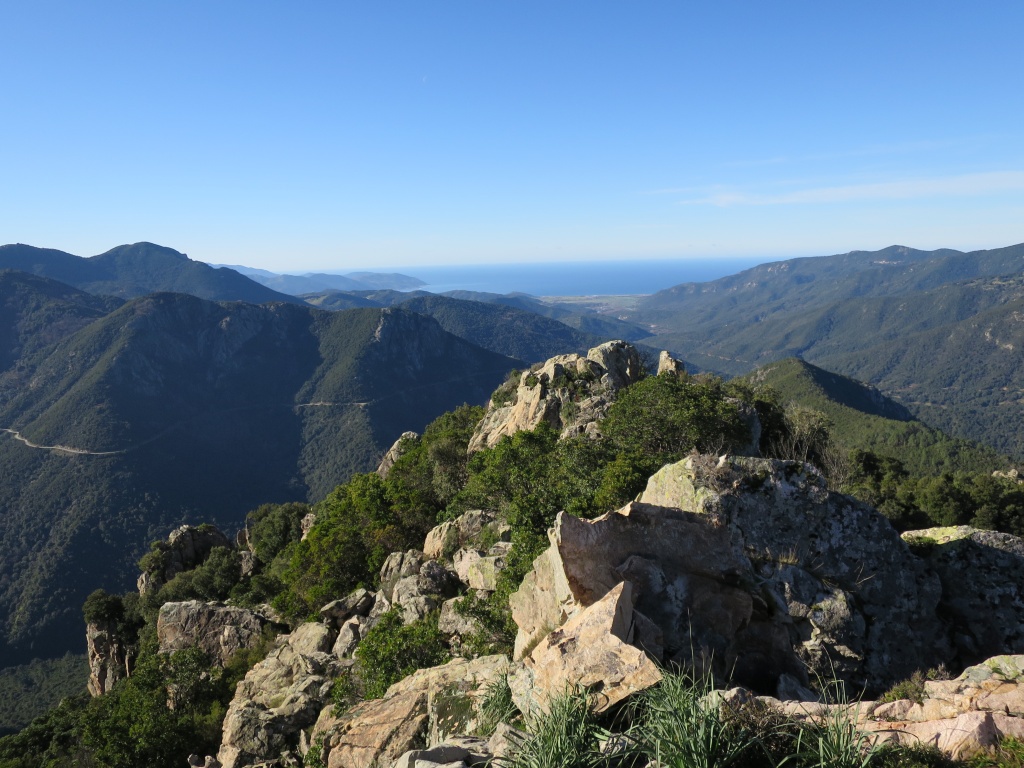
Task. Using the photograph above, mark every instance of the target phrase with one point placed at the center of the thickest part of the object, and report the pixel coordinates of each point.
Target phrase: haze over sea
(596, 278)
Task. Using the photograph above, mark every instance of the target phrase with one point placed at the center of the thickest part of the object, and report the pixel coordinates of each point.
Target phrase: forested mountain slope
(172, 408)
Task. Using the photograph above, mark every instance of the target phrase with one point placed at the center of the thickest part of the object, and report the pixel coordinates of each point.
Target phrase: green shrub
(392, 650)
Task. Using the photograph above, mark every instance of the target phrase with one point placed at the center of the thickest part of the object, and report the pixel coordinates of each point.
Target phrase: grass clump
(567, 735)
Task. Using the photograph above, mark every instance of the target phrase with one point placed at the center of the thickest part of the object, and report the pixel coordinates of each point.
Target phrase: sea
(576, 278)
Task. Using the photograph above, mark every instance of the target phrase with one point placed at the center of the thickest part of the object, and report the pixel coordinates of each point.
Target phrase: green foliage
(497, 706)
(680, 726)
(393, 650)
(272, 527)
(1009, 754)
(356, 530)
(213, 579)
(913, 688)
(567, 735)
(914, 502)
(28, 690)
(666, 417)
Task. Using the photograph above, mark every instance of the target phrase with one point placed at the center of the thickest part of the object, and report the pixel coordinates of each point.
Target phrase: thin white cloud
(966, 185)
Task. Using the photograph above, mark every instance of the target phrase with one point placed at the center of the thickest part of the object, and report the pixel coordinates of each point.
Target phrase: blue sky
(335, 135)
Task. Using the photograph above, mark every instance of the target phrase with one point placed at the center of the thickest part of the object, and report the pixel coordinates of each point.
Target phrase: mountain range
(940, 331)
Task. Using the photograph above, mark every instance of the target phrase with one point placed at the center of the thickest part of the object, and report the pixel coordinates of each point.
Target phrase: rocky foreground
(749, 567)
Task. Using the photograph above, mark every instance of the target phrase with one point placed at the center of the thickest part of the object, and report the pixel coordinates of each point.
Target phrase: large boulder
(592, 650)
(219, 630)
(750, 567)
(982, 574)
(854, 599)
(569, 392)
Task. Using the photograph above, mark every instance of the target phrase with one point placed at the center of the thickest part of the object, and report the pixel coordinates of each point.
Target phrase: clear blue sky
(333, 135)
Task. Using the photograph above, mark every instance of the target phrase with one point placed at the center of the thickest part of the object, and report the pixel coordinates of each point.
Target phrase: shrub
(392, 650)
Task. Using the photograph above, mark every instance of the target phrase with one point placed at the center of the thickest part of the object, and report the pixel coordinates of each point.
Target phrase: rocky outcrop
(750, 566)
(279, 697)
(219, 630)
(982, 574)
(418, 712)
(185, 548)
(395, 452)
(110, 658)
(851, 597)
(569, 392)
(669, 365)
(417, 585)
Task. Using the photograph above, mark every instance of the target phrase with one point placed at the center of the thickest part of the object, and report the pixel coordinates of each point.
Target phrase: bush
(392, 650)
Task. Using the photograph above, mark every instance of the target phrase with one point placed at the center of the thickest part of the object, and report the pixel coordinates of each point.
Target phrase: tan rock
(592, 651)
(374, 734)
(569, 392)
(110, 658)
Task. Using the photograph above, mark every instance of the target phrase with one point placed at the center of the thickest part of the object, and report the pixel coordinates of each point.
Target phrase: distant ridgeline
(939, 331)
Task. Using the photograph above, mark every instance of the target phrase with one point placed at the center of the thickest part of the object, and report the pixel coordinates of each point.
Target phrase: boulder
(358, 603)
(219, 630)
(420, 712)
(351, 632)
(452, 534)
(454, 692)
(310, 638)
(669, 365)
(592, 650)
(451, 622)
(483, 573)
(852, 597)
(398, 566)
(423, 593)
(374, 734)
(462, 560)
(982, 575)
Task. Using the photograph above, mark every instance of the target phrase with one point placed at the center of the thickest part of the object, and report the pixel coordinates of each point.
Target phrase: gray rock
(569, 392)
(219, 630)
(358, 603)
(277, 699)
(310, 638)
(401, 445)
(110, 658)
(982, 575)
(351, 632)
(398, 566)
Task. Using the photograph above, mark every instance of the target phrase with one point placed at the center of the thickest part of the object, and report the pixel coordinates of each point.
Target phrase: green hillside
(172, 409)
(864, 419)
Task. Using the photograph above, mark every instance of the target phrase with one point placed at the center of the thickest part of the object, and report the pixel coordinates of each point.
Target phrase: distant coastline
(596, 278)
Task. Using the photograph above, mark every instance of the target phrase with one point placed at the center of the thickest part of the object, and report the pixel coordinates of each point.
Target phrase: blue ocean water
(594, 278)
